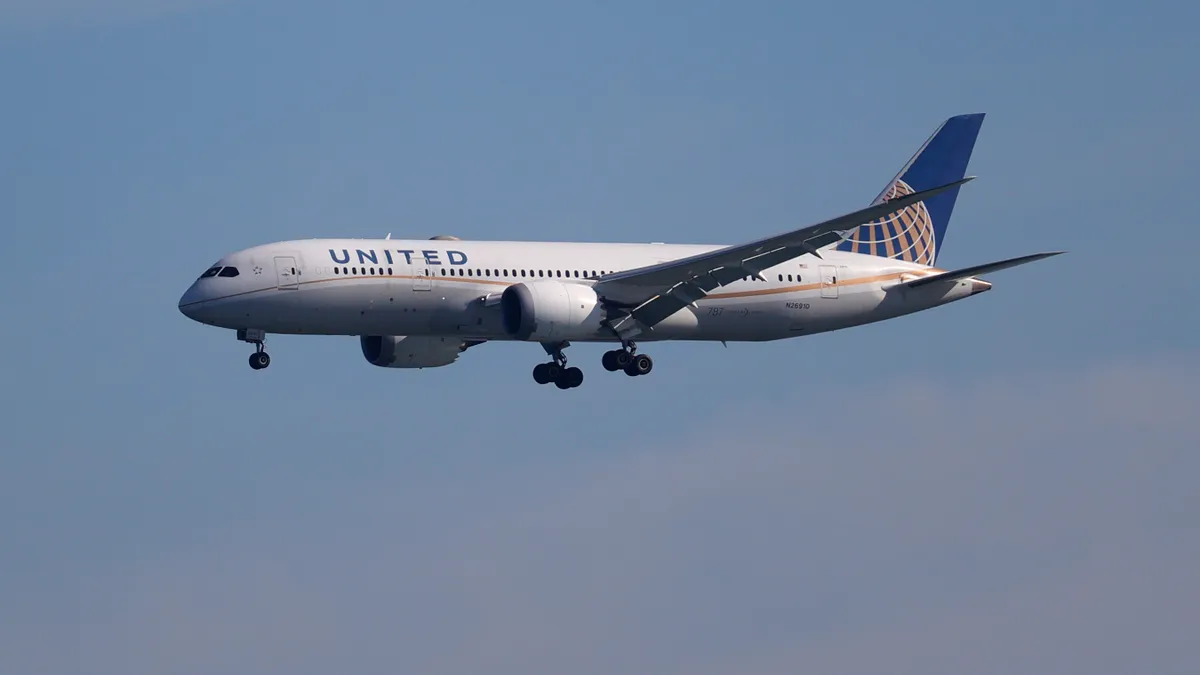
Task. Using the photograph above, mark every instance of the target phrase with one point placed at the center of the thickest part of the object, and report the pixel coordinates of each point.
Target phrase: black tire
(609, 361)
(622, 359)
(541, 373)
(259, 360)
(573, 377)
(562, 383)
(639, 365)
(553, 372)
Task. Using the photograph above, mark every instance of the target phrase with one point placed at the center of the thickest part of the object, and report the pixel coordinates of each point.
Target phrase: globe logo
(906, 234)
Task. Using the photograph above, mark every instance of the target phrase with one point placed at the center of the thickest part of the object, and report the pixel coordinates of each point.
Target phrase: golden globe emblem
(906, 234)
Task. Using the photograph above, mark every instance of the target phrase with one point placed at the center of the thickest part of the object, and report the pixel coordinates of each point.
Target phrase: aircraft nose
(191, 303)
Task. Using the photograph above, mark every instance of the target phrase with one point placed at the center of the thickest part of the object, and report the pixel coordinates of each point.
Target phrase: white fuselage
(449, 288)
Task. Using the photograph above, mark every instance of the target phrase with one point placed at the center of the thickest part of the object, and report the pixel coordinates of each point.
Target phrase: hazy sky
(1006, 484)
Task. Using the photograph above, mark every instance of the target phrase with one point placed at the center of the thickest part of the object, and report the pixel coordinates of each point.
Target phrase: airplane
(422, 303)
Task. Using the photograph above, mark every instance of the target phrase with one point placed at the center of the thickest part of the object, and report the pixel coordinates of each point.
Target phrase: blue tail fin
(916, 233)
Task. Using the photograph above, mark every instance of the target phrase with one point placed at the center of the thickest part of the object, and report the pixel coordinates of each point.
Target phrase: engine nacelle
(410, 351)
(551, 310)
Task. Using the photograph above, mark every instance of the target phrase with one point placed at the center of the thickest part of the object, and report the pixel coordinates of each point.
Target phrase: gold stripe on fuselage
(858, 281)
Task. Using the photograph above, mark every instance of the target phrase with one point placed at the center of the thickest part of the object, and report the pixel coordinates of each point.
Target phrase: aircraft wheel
(573, 377)
(622, 358)
(541, 373)
(259, 360)
(609, 360)
(639, 365)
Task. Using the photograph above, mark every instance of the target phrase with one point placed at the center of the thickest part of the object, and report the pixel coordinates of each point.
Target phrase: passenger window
(540, 273)
(789, 277)
(354, 270)
(389, 271)
(228, 272)
(336, 270)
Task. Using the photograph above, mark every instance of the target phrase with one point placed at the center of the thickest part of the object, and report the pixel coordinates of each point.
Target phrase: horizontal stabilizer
(967, 272)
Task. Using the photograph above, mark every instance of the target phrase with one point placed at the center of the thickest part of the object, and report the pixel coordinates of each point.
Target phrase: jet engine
(411, 351)
(548, 311)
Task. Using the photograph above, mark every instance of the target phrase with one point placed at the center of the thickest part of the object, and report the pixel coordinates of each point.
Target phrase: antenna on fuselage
(389, 236)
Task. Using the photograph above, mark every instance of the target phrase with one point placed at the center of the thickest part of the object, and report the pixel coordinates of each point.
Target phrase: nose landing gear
(259, 359)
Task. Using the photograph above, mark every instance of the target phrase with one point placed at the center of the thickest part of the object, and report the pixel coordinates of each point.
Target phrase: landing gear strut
(259, 359)
(556, 371)
(628, 360)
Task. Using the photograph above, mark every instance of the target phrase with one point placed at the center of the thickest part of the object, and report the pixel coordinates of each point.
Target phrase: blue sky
(996, 484)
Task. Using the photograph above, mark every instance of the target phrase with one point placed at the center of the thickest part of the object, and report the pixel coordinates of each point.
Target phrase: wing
(645, 296)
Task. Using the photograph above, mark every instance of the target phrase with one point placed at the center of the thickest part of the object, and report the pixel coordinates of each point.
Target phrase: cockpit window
(228, 272)
(210, 272)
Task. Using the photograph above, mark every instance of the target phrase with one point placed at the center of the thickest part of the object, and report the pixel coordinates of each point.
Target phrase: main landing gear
(628, 360)
(557, 371)
(259, 359)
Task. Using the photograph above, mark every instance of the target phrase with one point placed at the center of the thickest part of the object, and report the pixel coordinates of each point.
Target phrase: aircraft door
(287, 274)
(422, 275)
(829, 283)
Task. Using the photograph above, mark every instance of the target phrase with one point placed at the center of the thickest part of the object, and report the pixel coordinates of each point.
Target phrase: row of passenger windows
(220, 272)
(357, 270)
(468, 272)
(473, 272)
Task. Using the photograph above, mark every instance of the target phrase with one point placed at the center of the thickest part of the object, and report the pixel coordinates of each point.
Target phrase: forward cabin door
(287, 274)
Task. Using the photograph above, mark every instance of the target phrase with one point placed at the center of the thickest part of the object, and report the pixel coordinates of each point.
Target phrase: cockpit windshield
(218, 271)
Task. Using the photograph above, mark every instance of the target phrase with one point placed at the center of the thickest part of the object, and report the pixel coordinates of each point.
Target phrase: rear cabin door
(829, 281)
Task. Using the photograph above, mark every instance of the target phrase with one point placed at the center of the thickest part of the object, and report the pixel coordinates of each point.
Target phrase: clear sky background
(1006, 484)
